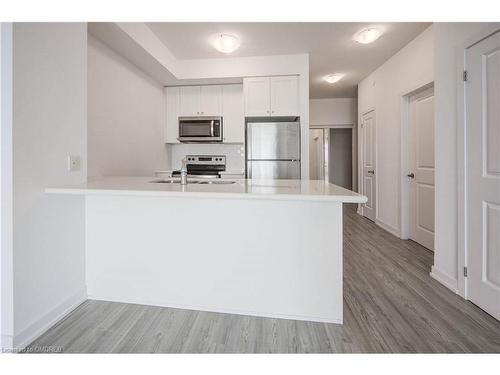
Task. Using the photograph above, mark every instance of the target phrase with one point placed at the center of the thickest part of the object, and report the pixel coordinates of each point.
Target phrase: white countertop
(313, 190)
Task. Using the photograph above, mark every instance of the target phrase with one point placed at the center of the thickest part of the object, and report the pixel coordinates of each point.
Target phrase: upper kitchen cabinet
(284, 96)
(257, 96)
(200, 101)
(190, 101)
(211, 100)
(233, 114)
(172, 97)
(271, 96)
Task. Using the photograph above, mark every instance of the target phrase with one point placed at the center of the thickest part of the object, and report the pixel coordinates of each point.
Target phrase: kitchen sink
(207, 182)
(172, 182)
(217, 182)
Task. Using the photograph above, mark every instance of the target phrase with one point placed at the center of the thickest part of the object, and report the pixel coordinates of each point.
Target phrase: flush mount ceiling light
(368, 35)
(225, 43)
(332, 78)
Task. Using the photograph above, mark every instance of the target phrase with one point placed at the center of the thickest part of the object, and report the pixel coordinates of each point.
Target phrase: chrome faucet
(184, 172)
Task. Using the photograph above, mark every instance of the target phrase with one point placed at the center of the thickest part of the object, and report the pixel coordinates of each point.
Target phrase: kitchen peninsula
(258, 247)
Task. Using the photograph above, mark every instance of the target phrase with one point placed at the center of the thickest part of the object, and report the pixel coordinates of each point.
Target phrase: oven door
(200, 129)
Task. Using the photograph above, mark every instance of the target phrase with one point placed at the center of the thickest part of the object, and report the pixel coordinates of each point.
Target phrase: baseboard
(41, 325)
(444, 279)
(388, 228)
(217, 310)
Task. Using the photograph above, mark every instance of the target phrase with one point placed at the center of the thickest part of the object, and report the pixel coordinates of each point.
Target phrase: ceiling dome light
(332, 78)
(368, 35)
(225, 43)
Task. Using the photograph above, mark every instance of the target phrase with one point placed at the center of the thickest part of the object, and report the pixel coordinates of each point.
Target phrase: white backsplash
(234, 152)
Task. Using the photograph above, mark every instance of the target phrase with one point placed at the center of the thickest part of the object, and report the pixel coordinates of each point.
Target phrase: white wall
(49, 117)
(409, 69)
(450, 41)
(125, 116)
(338, 111)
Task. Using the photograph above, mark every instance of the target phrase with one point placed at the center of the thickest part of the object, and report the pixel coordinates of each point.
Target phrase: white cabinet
(200, 101)
(189, 101)
(233, 114)
(284, 96)
(172, 96)
(271, 96)
(257, 96)
(210, 100)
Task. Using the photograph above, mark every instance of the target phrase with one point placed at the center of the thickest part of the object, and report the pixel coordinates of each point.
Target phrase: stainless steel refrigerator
(273, 150)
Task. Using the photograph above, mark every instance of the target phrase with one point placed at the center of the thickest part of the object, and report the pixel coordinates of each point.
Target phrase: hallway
(391, 305)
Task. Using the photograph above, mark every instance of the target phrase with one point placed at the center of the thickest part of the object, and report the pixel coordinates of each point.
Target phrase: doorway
(369, 179)
(482, 174)
(331, 155)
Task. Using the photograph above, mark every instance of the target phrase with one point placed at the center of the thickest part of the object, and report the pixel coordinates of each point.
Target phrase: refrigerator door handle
(249, 170)
(248, 145)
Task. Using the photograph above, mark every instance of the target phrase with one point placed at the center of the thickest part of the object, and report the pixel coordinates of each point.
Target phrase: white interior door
(483, 173)
(421, 174)
(368, 127)
(316, 154)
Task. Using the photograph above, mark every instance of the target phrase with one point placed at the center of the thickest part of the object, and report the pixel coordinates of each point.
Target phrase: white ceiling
(329, 45)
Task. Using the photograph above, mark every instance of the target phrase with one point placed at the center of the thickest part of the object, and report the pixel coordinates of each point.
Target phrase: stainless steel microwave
(200, 129)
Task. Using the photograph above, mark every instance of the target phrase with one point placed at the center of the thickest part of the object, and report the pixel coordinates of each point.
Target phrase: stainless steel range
(204, 166)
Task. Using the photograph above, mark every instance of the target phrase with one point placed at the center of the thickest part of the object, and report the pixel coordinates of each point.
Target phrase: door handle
(411, 175)
(371, 172)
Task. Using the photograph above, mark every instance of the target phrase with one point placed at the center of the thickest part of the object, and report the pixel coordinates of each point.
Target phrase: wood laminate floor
(391, 304)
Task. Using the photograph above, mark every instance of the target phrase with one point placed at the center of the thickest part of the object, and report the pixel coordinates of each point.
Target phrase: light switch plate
(73, 163)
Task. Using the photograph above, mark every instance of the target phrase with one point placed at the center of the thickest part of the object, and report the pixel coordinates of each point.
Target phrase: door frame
(460, 58)
(322, 174)
(404, 202)
(6, 188)
(361, 143)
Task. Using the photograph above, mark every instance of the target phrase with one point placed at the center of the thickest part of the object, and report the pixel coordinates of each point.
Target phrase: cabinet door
(284, 96)
(190, 101)
(211, 101)
(172, 116)
(233, 114)
(257, 96)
